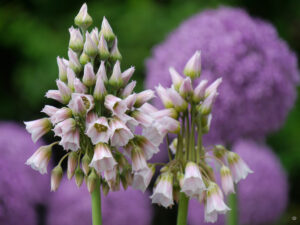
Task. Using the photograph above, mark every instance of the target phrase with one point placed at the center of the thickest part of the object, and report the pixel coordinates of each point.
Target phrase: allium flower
(99, 114)
(69, 204)
(252, 60)
(142, 178)
(263, 196)
(20, 192)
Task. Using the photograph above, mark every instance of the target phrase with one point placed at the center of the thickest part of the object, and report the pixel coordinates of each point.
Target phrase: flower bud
(102, 48)
(90, 47)
(56, 176)
(186, 88)
(79, 87)
(79, 175)
(92, 181)
(226, 180)
(74, 63)
(72, 163)
(71, 78)
(106, 30)
(199, 92)
(83, 19)
(163, 95)
(62, 69)
(49, 110)
(206, 106)
(176, 78)
(213, 88)
(86, 160)
(76, 40)
(84, 58)
(115, 53)
(128, 89)
(102, 72)
(144, 97)
(100, 90)
(192, 68)
(116, 77)
(179, 103)
(95, 35)
(65, 91)
(88, 75)
(105, 188)
(127, 74)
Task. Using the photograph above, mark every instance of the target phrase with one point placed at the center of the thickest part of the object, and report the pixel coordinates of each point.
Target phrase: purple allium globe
(259, 70)
(21, 187)
(71, 206)
(263, 196)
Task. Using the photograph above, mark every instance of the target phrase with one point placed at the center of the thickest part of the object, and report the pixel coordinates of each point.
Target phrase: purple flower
(263, 196)
(259, 70)
(69, 204)
(21, 187)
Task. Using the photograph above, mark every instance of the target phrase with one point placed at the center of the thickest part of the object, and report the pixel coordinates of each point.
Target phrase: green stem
(187, 133)
(183, 205)
(96, 204)
(199, 152)
(232, 215)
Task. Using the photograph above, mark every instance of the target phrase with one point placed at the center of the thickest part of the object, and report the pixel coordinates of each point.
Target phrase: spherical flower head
(252, 60)
(20, 193)
(69, 204)
(263, 196)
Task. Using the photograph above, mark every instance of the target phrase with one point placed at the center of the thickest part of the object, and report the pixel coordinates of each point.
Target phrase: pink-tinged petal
(99, 131)
(127, 74)
(128, 89)
(176, 78)
(64, 127)
(142, 178)
(138, 159)
(144, 97)
(226, 180)
(116, 105)
(54, 94)
(71, 140)
(37, 128)
(102, 159)
(40, 159)
(102, 72)
(120, 133)
(60, 115)
(79, 87)
(49, 110)
(89, 77)
(81, 103)
(199, 92)
(192, 68)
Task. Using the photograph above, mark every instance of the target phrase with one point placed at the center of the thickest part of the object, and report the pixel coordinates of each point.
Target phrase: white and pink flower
(238, 167)
(71, 140)
(99, 131)
(226, 180)
(40, 159)
(142, 178)
(116, 105)
(102, 160)
(37, 128)
(120, 133)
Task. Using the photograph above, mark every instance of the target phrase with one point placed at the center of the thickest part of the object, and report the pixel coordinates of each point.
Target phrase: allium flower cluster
(259, 71)
(99, 114)
(188, 173)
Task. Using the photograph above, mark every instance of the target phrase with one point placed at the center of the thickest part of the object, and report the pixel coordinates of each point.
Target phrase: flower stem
(183, 205)
(232, 215)
(96, 205)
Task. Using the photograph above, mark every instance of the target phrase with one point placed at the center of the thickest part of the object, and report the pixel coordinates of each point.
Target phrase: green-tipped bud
(56, 176)
(192, 68)
(116, 78)
(83, 19)
(115, 53)
(85, 162)
(79, 175)
(102, 48)
(90, 47)
(105, 188)
(76, 40)
(92, 181)
(107, 31)
(72, 163)
(84, 58)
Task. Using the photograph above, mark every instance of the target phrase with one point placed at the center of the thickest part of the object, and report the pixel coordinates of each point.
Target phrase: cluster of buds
(190, 169)
(99, 115)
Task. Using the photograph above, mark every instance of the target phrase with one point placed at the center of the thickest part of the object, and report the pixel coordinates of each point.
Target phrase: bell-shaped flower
(199, 92)
(177, 79)
(37, 128)
(54, 94)
(40, 159)
(74, 63)
(238, 167)
(213, 87)
(192, 68)
(71, 140)
(127, 74)
(90, 47)
(138, 159)
(192, 184)
(62, 69)
(102, 48)
(207, 104)
(76, 39)
(226, 180)
(164, 97)
(144, 119)
(142, 178)
(116, 105)
(64, 127)
(128, 89)
(144, 97)
(106, 30)
(88, 75)
(83, 19)
(115, 53)
(120, 133)
(116, 78)
(214, 203)
(102, 159)
(81, 104)
(60, 115)
(163, 192)
(147, 146)
(99, 131)
(65, 91)
(49, 110)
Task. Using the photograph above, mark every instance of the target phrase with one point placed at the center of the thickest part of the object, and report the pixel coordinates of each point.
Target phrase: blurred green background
(34, 32)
